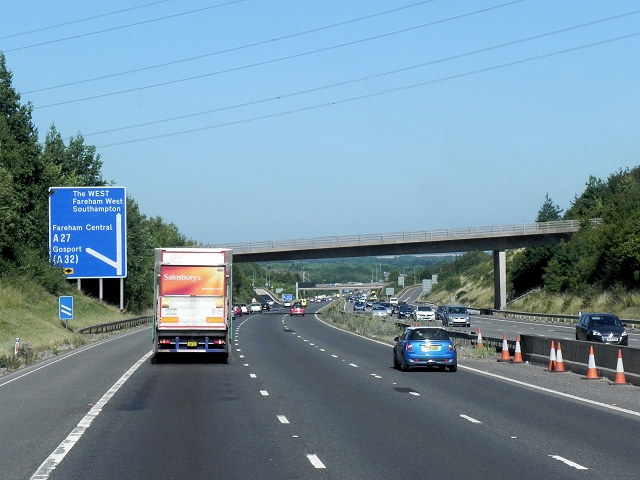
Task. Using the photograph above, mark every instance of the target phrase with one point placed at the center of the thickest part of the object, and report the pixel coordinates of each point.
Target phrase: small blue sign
(287, 297)
(65, 307)
(87, 231)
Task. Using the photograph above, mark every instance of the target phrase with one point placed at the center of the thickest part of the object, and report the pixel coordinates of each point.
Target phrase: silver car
(379, 311)
(456, 315)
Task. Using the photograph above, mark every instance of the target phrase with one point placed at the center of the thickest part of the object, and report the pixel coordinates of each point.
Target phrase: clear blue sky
(335, 117)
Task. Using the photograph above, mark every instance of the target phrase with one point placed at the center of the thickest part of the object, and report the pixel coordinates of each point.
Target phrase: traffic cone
(479, 343)
(505, 357)
(620, 378)
(559, 365)
(517, 356)
(592, 373)
(552, 357)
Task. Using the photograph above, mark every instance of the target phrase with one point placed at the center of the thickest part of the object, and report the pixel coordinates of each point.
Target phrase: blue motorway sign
(65, 307)
(287, 297)
(87, 231)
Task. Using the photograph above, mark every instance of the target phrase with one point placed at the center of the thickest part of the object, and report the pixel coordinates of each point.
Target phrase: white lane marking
(240, 356)
(67, 444)
(264, 393)
(238, 350)
(472, 420)
(568, 462)
(548, 390)
(246, 364)
(311, 343)
(71, 354)
(253, 375)
(283, 419)
(322, 350)
(315, 461)
(353, 365)
(334, 356)
(415, 394)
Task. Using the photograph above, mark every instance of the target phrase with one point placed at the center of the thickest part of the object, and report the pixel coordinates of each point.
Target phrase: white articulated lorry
(192, 301)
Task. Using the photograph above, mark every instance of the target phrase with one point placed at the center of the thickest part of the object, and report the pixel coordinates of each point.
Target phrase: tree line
(596, 259)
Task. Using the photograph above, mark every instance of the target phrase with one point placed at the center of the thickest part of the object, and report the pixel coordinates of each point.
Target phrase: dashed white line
(283, 419)
(472, 420)
(353, 365)
(415, 394)
(253, 375)
(334, 356)
(568, 462)
(264, 393)
(315, 461)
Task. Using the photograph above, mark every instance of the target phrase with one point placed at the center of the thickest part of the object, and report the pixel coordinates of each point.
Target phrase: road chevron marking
(67, 444)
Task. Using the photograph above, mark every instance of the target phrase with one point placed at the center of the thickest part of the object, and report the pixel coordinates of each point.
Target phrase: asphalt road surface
(298, 399)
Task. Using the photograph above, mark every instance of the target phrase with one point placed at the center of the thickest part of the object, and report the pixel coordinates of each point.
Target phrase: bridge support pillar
(500, 279)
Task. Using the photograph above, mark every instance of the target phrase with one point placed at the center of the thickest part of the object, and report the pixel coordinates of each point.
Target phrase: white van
(393, 301)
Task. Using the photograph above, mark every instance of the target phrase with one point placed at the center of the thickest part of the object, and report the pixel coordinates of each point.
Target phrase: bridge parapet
(468, 233)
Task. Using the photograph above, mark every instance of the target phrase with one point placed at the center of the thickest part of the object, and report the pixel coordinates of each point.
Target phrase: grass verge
(29, 313)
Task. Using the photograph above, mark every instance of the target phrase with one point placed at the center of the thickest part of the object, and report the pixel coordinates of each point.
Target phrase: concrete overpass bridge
(497, 239)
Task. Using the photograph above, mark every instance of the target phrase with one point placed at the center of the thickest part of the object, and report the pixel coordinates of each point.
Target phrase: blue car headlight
(624, 333)
(596, 333)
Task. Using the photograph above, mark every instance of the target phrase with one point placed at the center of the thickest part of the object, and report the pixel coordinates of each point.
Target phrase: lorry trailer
(192, 301)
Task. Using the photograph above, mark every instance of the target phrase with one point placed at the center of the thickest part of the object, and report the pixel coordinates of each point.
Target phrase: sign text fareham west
(87, 231)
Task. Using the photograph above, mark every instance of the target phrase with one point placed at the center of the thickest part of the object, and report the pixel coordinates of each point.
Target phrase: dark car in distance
(358, 307)
(601, 327)
(405, 311)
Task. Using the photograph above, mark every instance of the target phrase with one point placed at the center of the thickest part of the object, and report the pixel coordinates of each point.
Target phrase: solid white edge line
(555, 392)
(517, 382)
(569, 462)
(67, 355)
(315, 461)
(67, 444)
(472, 420)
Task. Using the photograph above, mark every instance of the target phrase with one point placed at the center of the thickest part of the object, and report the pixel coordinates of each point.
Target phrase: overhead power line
(123, 26)
(267, 62)
(365, 78)
(86, 19)
(233, 49)
(375, 94)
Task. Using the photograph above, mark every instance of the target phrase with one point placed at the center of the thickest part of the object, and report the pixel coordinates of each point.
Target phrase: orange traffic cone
(592, 373)
(505, 357)
(517, 356)
(479, 343)
(559, 365)
(620, 378)
(552, 357)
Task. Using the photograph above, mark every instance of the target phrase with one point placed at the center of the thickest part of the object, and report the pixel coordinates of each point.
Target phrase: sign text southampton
(87, 231)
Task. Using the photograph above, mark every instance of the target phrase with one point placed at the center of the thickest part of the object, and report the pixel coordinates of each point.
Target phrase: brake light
(409, 347)
(452, 347)
(218, 341)
(164, 341)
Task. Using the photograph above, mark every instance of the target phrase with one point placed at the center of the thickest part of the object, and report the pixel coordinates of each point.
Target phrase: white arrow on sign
(117, 263)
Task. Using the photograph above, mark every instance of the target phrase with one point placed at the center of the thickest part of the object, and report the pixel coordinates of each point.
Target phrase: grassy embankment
(479, 293)
(29, 313)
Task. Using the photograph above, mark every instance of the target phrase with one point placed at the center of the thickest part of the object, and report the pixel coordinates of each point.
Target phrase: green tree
(527, 268)
(20, 157)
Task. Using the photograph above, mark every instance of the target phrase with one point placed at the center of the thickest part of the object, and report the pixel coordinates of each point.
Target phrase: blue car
(425, 347)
